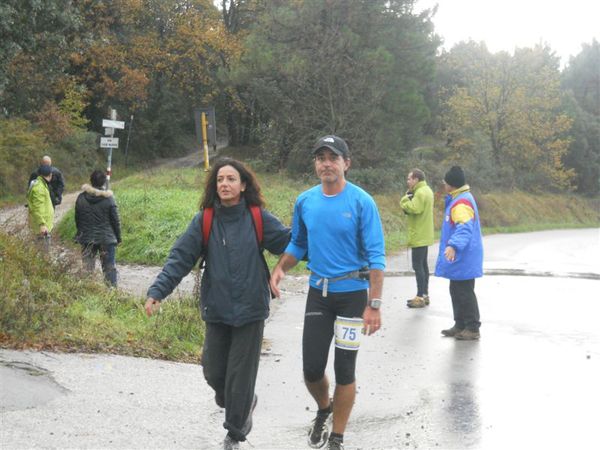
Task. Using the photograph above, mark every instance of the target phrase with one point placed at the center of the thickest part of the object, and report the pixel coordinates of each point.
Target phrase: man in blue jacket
(337, 225)
(460, 257)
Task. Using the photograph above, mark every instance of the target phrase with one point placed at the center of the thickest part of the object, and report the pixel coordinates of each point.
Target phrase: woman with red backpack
(229, 234)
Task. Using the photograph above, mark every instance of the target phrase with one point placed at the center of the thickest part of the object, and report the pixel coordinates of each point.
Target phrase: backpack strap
(207, 218)
(258, 223)
(258, 228)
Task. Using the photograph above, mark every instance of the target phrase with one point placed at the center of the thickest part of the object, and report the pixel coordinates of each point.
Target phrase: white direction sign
(109, 142)
(113, 124)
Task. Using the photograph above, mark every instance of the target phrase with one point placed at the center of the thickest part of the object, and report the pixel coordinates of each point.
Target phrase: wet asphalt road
(533, 381)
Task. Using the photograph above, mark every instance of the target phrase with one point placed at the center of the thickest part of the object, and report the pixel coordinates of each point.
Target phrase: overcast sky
(505, 24)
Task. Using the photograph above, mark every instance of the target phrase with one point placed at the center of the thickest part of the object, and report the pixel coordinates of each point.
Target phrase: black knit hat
(455, 177)
(44, 170)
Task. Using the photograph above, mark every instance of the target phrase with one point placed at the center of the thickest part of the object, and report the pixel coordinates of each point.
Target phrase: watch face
(375, 304)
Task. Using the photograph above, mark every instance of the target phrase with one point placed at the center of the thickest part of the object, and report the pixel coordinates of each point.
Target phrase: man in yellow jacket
(41, 211)
(417, 204)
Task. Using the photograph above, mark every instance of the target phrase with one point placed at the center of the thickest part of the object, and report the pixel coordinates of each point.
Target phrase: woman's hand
(152, 305)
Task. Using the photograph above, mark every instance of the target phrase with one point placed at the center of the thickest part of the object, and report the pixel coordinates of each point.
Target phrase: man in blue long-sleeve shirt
(336, 225)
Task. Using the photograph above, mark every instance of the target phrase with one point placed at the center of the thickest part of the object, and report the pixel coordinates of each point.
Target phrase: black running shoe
(230, 444)
(319, 432)
(335, 444)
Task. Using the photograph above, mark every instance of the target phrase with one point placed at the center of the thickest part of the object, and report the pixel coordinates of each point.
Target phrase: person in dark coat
(56, 185)
(234, 290)
(98, 226)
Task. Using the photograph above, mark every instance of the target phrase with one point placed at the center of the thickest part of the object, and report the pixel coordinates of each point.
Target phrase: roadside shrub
(20, 149)
(50, 303)
(378, 179)
(73, 150)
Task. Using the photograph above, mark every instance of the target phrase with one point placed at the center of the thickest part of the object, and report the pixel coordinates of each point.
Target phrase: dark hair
(98, 178)
(251, 194)
(418, 174)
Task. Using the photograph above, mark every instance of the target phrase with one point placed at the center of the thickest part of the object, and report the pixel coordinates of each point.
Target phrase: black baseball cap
(334, 143)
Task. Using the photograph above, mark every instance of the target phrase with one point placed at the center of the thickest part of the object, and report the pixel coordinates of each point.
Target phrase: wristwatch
(374, 303)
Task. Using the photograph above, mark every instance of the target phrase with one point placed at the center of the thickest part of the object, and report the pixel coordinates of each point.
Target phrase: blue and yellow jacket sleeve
(462, 217)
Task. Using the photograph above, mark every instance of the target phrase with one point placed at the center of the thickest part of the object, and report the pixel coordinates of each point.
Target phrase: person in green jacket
(417, 204)
(41, 210)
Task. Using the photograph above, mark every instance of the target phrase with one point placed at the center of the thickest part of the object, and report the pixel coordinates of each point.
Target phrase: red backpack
(207, 219)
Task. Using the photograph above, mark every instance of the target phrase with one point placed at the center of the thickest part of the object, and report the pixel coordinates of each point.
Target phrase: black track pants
(230, 364)
(421, 268)
(464, 304)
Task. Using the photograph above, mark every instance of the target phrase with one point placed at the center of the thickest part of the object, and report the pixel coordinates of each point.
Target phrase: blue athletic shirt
(341, 233)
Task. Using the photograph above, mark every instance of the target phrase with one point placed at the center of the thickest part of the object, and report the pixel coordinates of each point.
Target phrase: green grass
(50, 305)
(156, 207)
(519, 212)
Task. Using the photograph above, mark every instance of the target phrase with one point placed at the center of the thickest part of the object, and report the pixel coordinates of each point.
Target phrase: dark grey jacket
(97, 217)
(234, 288)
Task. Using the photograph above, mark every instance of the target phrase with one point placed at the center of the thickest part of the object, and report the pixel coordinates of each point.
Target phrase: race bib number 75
(348, 332)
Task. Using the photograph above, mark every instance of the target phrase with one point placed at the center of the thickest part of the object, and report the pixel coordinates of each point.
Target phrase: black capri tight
(319, 319)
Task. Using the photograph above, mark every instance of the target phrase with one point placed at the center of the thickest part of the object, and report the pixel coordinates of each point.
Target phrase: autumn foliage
(281, 73)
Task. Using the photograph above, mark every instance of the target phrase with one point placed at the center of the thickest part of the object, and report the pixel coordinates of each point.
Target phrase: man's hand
(152, 305)
(371, 320)
(276, 278)
(43, 230)
(450, 254)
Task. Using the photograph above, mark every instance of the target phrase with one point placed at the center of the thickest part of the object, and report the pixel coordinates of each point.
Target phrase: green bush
(20, 150)
(378, 179)
(49, 304)
(22, 145)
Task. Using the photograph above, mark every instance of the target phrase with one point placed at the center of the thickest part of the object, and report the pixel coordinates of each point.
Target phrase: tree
(357, 69)
(34, 49)
(515, 101)
(239, 15)
(20, 147)
(581, 80)
(238, 18)
(157, 59)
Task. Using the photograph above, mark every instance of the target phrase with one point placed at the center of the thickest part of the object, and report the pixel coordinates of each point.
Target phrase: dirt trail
(14, 219)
